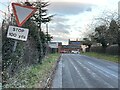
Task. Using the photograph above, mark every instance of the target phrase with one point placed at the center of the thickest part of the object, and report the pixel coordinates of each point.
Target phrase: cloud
(67, 23)
(59, 33)
(68, 8)
(72, 18)
(59, 18)
(61, 38)
(60, 28)
(58, 25)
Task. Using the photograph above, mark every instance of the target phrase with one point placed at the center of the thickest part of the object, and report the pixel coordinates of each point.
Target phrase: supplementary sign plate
(17, 33)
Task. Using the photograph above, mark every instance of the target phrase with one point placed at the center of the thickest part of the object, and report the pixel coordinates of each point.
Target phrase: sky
(73, 18)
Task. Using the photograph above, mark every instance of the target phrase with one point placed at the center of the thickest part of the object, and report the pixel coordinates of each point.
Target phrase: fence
(112, 50)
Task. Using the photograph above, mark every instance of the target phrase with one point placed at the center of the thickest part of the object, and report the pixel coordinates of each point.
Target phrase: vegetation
(113, 58)
(41, 17)
(107, 36)
(86, 41)
(106, 33)
(27, 53)
(34, 76)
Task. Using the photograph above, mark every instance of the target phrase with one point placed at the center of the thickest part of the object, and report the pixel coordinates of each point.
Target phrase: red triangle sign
(22, 13)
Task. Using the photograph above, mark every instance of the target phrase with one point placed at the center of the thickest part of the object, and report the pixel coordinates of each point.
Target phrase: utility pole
(47, 31)
(47, 45)
(39, 33)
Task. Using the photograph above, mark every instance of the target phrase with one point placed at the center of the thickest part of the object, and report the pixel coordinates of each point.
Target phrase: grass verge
(113, 58)
(34, 76)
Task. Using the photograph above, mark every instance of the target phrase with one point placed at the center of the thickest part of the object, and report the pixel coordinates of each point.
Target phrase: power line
(2, 11)
(3, 4)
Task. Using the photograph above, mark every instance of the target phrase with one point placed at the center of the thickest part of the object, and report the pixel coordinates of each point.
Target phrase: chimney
(69, 41)
(77, 39)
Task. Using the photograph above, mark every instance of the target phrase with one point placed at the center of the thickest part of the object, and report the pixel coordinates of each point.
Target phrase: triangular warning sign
(22, 13)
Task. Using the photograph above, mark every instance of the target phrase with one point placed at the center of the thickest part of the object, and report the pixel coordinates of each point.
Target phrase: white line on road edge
(57, 81)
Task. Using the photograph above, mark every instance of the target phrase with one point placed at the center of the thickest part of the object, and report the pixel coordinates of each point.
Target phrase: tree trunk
(40, 48)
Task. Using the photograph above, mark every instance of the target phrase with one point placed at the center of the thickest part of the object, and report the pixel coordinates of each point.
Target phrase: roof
(75, 42)
(70, 46)
(55, 42)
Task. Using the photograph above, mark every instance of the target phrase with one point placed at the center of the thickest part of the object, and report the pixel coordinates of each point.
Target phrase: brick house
(72, 46)
(55, 47)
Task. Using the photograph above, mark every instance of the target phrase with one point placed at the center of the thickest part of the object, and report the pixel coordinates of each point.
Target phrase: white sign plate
(17, 33)
(53, 44)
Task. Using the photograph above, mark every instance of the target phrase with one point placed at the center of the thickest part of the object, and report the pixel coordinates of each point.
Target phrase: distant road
(79, 71)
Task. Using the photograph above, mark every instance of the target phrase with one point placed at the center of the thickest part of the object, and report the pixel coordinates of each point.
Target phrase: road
(79, 71)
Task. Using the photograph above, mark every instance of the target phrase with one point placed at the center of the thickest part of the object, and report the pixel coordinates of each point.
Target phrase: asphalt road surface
(79, 71)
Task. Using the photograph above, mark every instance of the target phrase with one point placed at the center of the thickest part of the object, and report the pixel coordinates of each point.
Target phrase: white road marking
(83, 79)
(57, 82)
(94, 74)
(102, 70)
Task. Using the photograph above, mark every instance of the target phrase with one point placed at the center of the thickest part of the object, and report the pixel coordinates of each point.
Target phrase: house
(72, 46)
(55, 47)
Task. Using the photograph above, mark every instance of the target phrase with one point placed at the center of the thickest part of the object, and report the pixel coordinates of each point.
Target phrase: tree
(88, 42)
(15, 61)
(41, 17)
(112, 33)
(100, 35)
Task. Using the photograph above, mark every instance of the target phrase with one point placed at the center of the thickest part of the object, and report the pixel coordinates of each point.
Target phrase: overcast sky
(72, 17)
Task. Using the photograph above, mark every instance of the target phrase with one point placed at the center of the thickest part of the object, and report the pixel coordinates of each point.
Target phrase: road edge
(52, 74)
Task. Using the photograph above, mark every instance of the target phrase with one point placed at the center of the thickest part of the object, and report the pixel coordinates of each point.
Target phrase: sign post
(22, 14)
(15, 45)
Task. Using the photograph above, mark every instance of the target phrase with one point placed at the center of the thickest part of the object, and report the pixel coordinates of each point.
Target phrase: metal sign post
(18, 34)
(22, 14)
(15, 45)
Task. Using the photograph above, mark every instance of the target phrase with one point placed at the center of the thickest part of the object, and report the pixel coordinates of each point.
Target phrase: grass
(34, 76)
(113, 58)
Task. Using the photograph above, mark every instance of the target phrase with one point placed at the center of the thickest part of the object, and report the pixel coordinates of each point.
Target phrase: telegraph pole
(47, 31)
